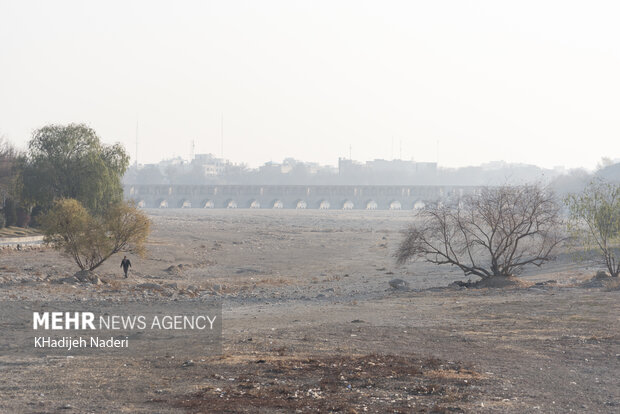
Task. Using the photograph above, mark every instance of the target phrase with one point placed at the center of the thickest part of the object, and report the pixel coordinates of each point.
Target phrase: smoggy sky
(464, 82)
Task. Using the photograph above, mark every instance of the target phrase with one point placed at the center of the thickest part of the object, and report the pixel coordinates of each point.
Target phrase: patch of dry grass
(613, 284)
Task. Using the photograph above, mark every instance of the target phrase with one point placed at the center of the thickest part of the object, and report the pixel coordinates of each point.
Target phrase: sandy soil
(311, 325)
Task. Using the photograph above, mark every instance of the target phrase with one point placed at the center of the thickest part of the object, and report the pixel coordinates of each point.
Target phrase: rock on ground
(399, 284)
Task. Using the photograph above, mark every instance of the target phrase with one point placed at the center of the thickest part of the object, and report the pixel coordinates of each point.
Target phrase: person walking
(125, 264)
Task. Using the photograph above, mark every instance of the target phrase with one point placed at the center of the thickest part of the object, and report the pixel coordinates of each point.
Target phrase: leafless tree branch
(495, 233)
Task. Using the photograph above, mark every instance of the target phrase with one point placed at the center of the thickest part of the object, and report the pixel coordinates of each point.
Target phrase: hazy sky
(465, 81)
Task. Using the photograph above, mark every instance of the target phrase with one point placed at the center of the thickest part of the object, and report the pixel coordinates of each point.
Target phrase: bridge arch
(208, 204)
(347, 205)
(371, 205)
(301, 204)
(230, 203)
(141, 204)
(324, 205)
(395, 205)
(419, 205)
(254, 204)
(161, 203)
(277, 204)
(185, 203)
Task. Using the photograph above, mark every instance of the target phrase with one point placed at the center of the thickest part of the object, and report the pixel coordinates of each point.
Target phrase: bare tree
(495, 233)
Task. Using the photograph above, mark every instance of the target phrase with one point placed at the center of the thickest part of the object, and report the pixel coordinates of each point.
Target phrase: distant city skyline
(488, 164)
(458, 83)
(188, 158)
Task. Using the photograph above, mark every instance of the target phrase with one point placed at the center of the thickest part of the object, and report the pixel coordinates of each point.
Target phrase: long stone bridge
(334, 197)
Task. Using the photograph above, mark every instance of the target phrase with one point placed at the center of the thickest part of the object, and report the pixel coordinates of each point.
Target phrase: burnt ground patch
(339, 384)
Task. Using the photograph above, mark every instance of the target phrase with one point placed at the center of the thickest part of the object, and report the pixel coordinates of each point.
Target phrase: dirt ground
(312, 325)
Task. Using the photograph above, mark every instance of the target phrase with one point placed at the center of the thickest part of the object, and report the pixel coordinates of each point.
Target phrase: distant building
(211, 165)
(171, 162)
(380, 166)
(275, 168)
(347, 166)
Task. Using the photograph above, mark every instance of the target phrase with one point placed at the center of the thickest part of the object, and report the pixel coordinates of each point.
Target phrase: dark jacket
(125, 264)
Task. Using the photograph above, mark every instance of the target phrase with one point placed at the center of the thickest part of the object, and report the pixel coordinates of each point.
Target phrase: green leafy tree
(91, 240)
(594, 221)
(70, 161)
(10, 212)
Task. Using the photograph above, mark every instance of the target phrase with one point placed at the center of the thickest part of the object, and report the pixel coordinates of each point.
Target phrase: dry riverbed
(311, 324)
